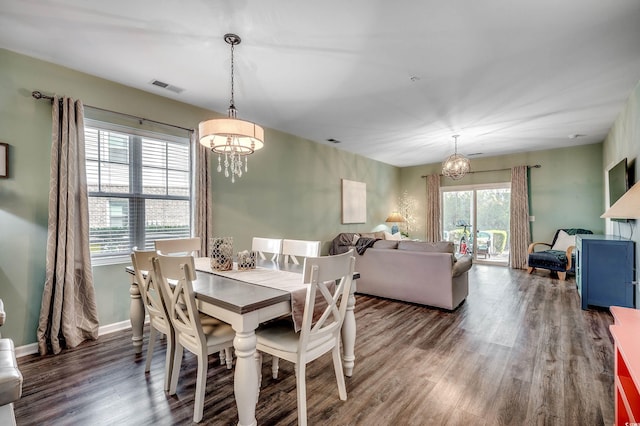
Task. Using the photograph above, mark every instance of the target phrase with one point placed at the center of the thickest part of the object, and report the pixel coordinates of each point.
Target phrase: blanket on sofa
(364, 243)
(341, 243)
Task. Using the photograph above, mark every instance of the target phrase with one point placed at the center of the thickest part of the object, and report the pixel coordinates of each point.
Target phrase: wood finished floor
(519, 351)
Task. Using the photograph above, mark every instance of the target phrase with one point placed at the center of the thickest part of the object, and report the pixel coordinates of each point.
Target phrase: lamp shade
(225, 135)
(627, 206)
(395, 217)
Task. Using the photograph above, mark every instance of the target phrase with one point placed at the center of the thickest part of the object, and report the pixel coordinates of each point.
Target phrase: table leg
(136, 316)
(245, 382)
(349, 334)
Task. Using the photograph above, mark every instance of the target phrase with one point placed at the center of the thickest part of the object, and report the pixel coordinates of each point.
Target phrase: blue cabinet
(605, 270)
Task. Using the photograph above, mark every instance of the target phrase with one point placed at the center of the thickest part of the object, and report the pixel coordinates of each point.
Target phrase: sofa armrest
(10, 376)
(463, 264)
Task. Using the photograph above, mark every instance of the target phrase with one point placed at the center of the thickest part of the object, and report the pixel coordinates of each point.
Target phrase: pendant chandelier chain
(233, 104)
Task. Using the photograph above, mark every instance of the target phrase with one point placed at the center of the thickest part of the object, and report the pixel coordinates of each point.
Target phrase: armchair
(10, 377)
(483, 244)
(558, 257)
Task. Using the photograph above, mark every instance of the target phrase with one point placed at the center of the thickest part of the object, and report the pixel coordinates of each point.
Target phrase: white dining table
(244, 306)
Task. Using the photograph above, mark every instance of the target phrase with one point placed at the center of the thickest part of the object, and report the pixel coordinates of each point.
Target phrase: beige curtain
(519, 228)
(203, 210)
(433, 228)
(68, 314)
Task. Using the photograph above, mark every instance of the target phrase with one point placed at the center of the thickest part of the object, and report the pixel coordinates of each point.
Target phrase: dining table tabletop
(245, 305)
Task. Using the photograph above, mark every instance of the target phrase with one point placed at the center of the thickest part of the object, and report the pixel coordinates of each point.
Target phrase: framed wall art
(4, 160)
(354, 202)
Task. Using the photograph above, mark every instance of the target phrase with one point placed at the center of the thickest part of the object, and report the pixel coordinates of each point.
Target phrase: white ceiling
(391, 80)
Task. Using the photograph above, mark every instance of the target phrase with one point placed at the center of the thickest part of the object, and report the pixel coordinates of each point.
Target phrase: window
(139, 188)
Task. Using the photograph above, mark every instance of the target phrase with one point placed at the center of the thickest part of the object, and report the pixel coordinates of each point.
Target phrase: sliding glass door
(476, 219)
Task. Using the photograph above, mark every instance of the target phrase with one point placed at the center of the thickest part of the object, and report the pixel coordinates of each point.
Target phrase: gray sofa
(411, 271)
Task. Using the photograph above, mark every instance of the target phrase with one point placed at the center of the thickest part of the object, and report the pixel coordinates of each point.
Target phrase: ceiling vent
(167, 86)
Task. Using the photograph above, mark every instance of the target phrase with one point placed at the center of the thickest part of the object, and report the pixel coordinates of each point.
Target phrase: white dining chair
(320, 333)
(154, 304)
(184, 246)
(198, 333)
(302, 248)
(267, 245)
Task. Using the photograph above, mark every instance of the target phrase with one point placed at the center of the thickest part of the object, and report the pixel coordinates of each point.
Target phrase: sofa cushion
(385, 244)
(437, 247)
(462, 265)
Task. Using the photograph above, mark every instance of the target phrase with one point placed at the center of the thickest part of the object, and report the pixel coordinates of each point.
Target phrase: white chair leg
(302, 394)
(337, 366)
(201, 385)
(275, 365)
(222, 357)
(177, 363)
(168, 363)
(152, 342)
(229, 358)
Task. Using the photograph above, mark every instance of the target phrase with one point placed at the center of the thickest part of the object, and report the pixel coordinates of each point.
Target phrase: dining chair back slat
(293, 248)
(267, 245)
(185, 246)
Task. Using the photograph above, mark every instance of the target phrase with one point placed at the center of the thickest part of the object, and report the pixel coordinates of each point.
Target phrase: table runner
(281, 280)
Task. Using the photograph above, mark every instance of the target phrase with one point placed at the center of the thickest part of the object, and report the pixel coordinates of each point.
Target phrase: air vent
(162, 84)
(332, 140)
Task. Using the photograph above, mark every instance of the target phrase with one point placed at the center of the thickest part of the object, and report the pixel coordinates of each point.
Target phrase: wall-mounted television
(618, 183)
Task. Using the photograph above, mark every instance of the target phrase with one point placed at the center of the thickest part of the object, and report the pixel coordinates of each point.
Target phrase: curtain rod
(39, 95)
(535, 166)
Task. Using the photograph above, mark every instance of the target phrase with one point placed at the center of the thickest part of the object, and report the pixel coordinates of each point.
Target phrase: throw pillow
(563, 241)
(393, 237)
(356, 237)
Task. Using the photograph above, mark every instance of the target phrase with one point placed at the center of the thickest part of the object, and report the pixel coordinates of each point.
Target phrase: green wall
(566, 192)
(292, 188)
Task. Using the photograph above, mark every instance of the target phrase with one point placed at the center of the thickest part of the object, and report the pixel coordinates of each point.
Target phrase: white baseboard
(32, 348)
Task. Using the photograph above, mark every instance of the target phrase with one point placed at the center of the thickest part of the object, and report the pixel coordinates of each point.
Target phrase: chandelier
(231, 137)
(456, 166)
